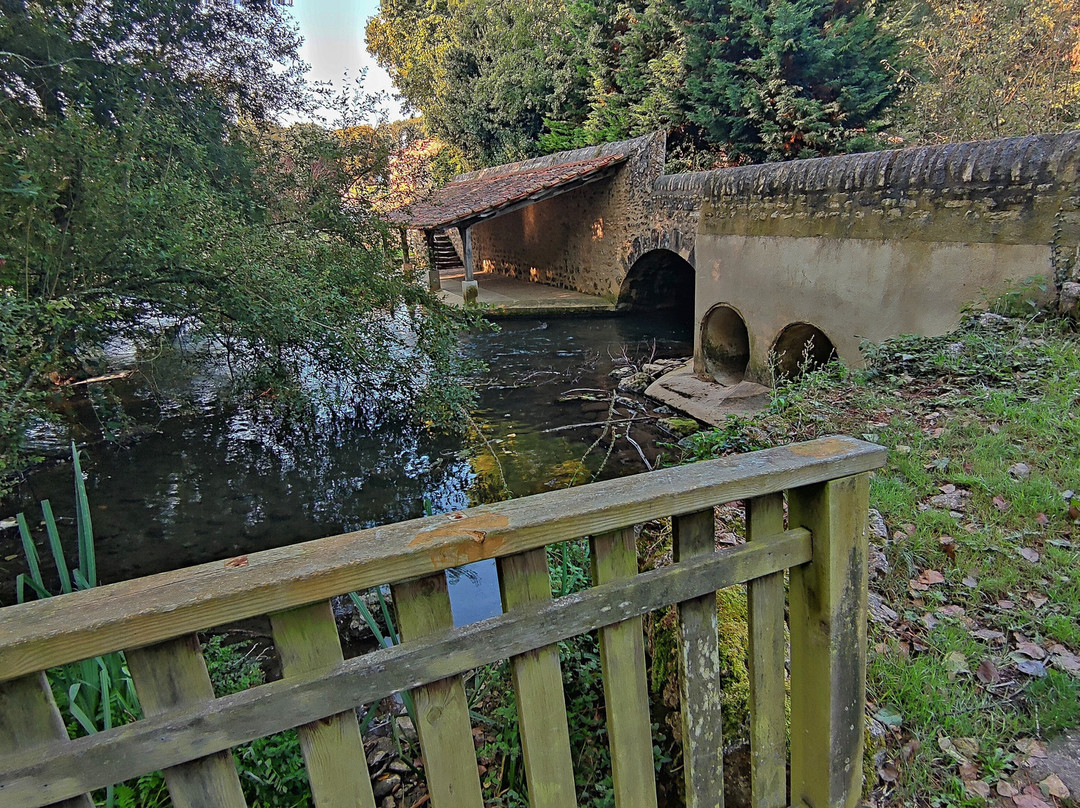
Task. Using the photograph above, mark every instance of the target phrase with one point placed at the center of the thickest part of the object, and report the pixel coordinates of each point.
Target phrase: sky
(333, 32)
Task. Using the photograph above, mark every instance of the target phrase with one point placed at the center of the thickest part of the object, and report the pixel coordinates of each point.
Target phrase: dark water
(215, 482)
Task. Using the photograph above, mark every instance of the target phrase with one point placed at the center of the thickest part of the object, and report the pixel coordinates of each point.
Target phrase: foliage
(989, 69)
(787, 78)
(976, 648)
(147, 194)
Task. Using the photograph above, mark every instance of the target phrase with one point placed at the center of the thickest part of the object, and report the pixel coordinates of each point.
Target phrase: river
(214, 481)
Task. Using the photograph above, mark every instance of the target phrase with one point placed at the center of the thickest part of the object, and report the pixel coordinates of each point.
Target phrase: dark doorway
(799, 348)
(660, 280)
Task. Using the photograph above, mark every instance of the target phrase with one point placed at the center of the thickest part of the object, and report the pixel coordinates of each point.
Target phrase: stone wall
(869, 246)
(582, 239)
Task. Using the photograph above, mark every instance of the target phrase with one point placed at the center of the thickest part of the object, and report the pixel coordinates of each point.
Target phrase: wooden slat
(699, 671)
(442, 711)
(768, 722)
(29, 718)
(173, 675)
(42, 634)
(307, 641)
(537, 674)
(135, 749)
(626, 691)
(828, 644)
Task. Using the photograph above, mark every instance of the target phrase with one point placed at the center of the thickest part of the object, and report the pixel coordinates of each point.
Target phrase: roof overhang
(467, 201)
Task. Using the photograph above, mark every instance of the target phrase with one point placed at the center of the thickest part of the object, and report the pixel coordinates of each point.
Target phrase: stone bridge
(784, 263)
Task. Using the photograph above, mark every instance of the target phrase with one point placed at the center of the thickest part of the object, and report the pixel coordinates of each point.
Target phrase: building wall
(874, 245)
(582, 239)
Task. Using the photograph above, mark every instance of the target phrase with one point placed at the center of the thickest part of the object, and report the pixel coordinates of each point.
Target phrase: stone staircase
(446, 256)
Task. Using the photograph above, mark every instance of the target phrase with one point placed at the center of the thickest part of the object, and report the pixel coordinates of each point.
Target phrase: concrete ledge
(708, 402)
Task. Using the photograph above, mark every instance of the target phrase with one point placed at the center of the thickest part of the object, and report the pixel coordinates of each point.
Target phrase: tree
(995, 68)
(778, 79)
(145, 189)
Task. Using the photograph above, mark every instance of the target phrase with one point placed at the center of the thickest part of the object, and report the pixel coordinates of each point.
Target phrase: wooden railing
(188, 733)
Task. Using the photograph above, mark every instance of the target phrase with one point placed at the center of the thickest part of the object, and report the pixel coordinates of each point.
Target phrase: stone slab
(708, 401)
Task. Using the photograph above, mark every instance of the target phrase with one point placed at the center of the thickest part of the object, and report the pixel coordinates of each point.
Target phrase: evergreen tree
(780, 79)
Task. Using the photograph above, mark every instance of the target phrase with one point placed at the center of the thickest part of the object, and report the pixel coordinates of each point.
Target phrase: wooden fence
(188, 733)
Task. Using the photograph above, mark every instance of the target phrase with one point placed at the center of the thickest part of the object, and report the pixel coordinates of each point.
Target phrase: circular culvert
(725, 344)
(799, 348)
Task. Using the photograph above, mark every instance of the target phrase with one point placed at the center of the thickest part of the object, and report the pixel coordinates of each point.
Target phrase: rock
(877, 525)
(621, 372)
(1069, 302)
(880, 612)
(990, 320)
(878, 563)
(635, 383)
(386, 785)
(1021, 471)
(682, 427)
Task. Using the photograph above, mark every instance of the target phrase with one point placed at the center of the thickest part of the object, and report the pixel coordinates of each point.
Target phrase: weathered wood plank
(134, 749)
(307, 641)
(768, 721)
(537, 674)
(173, 675)
(442, 711)
(54, 631)
(699, 671)
(29, 718)
(626, 690)
(828, 644)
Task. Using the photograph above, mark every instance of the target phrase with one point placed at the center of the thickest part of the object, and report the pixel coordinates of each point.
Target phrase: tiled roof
(487, 194)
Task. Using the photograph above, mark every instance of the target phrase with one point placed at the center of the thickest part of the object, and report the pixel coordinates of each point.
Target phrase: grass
(981, 486)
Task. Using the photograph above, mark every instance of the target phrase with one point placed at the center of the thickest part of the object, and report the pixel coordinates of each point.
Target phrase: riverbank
(974, 667)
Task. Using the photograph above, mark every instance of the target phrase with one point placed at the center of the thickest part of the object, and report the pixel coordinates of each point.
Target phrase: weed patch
(975, 651)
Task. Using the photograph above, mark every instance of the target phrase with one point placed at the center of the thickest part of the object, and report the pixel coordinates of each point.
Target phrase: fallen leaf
(1042, 519)
(1020, 471)
(910, 749)
(1074, 512)
(1065, 659)
(1030, 801)
(1005, 604)
(1031, 667)
(952, 610)
(1053, 787)
(955, 664)
(1031, 649)
(1001, 504)
(1029, 554)
(888, 772)
(988, 634)
(970, 582)
(969, 771)
(1031, 748)
(1036, 599)
(949, 546)
(889, 717)
(977, 788)
(1006, 789)
(947, 489)
(967, 747)
(931, 577)
(987, 673)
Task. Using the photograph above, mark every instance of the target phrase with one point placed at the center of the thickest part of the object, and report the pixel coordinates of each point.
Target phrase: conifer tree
(780, 79)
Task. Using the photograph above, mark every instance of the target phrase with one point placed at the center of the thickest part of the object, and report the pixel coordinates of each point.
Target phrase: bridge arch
(801, 347)
(660, 279)
(725, 344)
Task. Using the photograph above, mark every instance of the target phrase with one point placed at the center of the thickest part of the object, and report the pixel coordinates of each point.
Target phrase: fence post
(828, 644)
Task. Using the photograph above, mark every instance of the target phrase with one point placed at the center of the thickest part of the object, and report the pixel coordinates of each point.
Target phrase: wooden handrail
(188, 733)
(45, 633)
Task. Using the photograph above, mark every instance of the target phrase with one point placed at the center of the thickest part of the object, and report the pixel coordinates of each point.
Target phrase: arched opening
(660, 280)
(799, 348)
(725, 344)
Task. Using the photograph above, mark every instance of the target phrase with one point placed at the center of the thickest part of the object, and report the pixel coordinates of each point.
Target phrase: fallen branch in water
(601, 423)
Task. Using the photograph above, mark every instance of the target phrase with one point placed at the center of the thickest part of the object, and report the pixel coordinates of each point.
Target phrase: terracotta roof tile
(465, 199)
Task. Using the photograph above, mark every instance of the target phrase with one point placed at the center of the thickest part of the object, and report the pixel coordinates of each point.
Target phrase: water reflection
(213, 482)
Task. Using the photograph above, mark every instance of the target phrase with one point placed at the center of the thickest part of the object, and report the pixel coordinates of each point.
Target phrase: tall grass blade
(55, 546)
(30, 551)
(394, 638)
(87, 559)
(368, 618)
